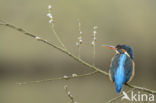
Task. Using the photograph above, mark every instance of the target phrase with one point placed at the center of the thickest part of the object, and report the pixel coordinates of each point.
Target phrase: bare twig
(57, 37)
(116, 98)
(71, 55)
(56, 47)
(59, 78)
(80, 40)
(141, 88)
(51, 21)
(93, 43)
(69, 94)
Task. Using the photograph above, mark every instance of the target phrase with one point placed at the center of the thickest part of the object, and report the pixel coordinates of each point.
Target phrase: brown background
(22, 58)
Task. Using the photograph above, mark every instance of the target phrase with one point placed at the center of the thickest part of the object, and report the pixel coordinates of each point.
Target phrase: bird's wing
(128, 69)
(133, 71)
(113, 67)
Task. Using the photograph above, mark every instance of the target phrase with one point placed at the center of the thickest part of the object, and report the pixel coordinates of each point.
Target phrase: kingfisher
(122, 68)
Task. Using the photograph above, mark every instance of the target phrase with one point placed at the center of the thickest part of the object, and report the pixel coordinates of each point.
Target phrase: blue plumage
(120, 73)
(128, 49)
(122, 66)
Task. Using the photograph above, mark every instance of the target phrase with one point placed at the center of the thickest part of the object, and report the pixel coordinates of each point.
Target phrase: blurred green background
(22, 58)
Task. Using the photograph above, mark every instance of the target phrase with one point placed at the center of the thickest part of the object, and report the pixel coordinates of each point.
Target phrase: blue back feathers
(121, 70)
(119, 74)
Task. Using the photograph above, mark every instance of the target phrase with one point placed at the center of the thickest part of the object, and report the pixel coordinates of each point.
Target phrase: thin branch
(57, 37)
(59, 78)
(56, 47)
(93, 43)
(116, 98)
(71, 55)
(80, 40)
(141, 88)
(69, 94)
(51, 22)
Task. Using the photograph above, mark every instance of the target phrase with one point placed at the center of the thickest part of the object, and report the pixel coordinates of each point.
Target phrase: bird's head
(120, 49)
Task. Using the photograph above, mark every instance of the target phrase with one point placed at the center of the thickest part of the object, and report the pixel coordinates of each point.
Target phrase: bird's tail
(119, 80)
(118, 87)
